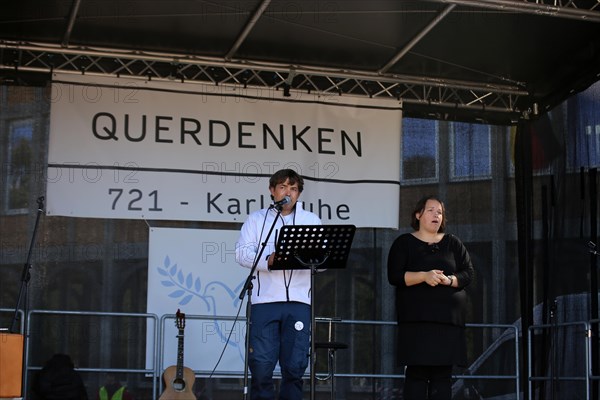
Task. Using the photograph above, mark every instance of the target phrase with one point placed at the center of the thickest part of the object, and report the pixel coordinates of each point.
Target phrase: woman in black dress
(430, 270)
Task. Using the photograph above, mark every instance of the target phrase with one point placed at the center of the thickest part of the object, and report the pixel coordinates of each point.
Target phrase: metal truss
(443, 95)
(450, 94)
(586, 10)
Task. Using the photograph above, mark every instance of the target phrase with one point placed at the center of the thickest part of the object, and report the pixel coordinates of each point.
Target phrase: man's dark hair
(287, 174)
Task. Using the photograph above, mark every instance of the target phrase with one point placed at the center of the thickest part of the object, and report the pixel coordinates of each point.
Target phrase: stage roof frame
(495, 61)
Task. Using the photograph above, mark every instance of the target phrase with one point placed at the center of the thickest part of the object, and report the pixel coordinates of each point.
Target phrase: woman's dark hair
(420, 207)
(284, 174)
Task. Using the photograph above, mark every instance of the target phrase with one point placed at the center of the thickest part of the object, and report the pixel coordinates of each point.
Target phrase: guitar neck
(179, 373)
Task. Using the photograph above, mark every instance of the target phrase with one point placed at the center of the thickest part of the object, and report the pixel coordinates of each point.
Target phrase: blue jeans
(279, 332)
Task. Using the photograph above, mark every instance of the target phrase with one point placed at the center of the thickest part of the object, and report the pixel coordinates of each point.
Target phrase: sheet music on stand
(303, 246)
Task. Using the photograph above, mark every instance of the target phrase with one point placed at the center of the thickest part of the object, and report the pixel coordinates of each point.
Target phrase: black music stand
(313, 247)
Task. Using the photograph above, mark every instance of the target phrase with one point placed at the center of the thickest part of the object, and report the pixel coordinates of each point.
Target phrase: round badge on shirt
(299, 325)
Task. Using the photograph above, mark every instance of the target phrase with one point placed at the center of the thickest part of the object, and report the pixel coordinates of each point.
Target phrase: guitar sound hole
(179, 384)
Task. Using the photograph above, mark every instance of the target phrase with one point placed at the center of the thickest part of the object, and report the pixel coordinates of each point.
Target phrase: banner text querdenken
(246, 134)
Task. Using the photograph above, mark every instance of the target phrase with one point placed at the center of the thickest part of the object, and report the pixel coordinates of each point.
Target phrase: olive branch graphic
(185, 286)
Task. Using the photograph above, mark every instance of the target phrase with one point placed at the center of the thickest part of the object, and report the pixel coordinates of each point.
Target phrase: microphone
(280, 203)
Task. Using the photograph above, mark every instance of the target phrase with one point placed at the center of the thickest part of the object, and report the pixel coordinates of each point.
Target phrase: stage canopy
(493, 61)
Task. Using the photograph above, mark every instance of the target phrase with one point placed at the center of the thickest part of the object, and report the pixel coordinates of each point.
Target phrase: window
(471, 154)
(419, 149)
(20, 162)
(584, 120)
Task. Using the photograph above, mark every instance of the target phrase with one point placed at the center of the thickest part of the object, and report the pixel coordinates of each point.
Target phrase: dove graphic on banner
(195, 270)
(219, 290)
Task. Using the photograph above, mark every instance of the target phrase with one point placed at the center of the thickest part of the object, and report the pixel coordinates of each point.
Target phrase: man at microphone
(280, 311)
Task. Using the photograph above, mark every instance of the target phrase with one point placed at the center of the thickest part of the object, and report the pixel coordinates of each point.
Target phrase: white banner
(127, 148)
(195, 271)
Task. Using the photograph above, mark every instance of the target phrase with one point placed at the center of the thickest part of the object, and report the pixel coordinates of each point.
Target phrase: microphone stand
(248, 288)
(553, 351)
(593, 332)
(25, 275)
(23, 293)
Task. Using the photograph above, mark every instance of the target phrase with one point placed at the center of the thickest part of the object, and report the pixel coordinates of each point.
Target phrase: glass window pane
(19, 163)
(419, 149)
(471, 150)
(584, 120)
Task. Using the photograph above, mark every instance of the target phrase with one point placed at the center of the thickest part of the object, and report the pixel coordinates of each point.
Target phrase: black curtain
(524, 196)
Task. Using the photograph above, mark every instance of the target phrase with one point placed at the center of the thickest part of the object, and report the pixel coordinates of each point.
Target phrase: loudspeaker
(11, 365)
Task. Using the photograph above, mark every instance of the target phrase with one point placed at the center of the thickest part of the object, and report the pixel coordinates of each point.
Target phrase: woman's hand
(435, 277)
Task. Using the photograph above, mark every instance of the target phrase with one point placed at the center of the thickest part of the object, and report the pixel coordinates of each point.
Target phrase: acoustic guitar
(179, 380)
